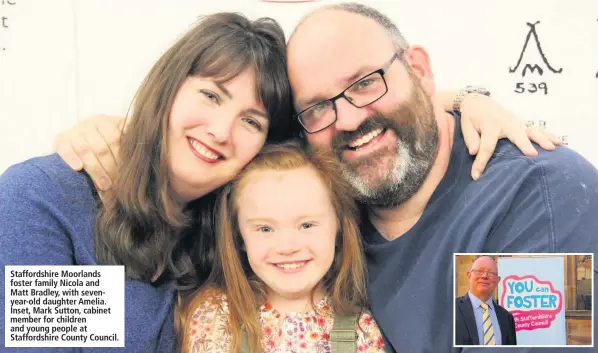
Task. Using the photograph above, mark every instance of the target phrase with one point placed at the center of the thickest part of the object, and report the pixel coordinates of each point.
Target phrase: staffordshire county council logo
(533, 303)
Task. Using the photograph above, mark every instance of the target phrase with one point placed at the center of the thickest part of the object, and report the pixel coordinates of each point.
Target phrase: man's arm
(458, 325)
(93, 144)
(462, 334)
(484, 121)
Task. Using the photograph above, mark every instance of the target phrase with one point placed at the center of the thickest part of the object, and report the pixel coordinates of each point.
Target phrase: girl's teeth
(292, 265)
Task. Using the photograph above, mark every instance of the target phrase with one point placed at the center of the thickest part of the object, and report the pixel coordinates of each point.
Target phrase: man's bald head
(485, 262)
(333, 33)
(362, 10)
(483, 277)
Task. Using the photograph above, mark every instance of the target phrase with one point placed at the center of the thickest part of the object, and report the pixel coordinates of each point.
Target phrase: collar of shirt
(476, 302)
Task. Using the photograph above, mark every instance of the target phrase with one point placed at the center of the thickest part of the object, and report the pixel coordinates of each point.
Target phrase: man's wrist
(467, 91)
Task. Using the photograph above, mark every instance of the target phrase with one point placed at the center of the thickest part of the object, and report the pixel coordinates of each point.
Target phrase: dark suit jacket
(466, 330)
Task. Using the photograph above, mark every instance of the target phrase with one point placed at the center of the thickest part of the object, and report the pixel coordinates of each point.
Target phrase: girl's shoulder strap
(244, 341)
(343, 336)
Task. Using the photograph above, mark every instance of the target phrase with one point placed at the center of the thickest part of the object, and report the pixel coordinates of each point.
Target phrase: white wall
(64, 60)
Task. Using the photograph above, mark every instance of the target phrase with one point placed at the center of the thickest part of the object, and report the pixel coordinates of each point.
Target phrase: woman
(224, 77)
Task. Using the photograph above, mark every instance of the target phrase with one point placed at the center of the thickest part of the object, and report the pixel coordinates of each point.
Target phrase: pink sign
(533, 303)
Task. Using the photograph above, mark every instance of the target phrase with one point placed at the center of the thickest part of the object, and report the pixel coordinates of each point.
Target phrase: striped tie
(487, 324)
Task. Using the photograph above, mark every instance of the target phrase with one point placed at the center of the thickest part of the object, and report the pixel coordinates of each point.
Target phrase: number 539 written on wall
(522, 87)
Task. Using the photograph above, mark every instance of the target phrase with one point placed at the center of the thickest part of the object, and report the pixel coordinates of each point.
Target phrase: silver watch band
(465, 91)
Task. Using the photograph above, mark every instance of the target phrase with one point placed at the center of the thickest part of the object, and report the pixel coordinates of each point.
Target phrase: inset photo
(523, 300)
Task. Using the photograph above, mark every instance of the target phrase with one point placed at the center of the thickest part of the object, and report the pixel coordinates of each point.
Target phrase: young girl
(289, 259)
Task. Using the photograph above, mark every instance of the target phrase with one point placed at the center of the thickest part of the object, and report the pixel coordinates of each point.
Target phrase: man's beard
(410, 160)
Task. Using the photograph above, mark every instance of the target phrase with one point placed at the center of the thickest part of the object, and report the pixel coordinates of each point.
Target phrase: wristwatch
(465, 91)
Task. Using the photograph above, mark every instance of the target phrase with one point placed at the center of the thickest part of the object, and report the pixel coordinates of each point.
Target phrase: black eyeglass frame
(383, 70)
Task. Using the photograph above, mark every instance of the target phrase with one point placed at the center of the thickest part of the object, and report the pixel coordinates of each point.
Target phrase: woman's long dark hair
(141, 225)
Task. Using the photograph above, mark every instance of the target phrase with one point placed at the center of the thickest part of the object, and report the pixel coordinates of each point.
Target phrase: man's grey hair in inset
(482, 256)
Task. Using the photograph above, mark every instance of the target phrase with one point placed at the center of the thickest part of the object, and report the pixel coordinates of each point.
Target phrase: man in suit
(478, 319)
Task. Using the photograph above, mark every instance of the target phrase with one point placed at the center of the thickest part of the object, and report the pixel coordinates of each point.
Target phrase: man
(407, 159)
(478, 319)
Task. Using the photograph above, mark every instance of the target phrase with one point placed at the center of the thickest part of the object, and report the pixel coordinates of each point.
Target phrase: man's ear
(419, 60)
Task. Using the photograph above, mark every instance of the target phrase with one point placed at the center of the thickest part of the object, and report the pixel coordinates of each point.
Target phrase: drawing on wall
(532, 40)
(530, 67)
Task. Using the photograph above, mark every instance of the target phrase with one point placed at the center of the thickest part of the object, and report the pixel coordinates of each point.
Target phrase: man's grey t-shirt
(547, 203)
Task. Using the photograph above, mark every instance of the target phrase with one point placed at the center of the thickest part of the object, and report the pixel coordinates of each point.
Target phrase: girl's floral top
(293, 332)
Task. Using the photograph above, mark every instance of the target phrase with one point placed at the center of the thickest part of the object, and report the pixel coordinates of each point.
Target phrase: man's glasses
(481, 273)
(361, 93)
